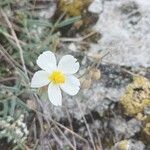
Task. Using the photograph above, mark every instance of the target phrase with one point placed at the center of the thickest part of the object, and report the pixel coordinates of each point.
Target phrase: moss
(73, 7)
(136, 96)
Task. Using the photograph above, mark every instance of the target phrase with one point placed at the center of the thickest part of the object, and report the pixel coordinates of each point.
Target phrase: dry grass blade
(6, 57)
(58, 124)
(10, 60)
(69, 118)
(87, 126)
(7, 79)
(11, 37)
(16, 40)
(97, 134)
(65, 137)
(56, 138)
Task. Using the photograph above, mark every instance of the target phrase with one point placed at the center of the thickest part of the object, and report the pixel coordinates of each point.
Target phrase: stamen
(57, 77)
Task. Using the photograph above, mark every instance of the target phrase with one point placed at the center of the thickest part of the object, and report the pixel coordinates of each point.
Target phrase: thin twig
(97, 63)
(70, 131)
(79, 39)
(102, 59)
(57, 139)
(7, 79)
(89, 35)
(129, 72)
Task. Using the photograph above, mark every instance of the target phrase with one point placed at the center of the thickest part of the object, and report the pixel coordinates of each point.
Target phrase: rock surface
(125, 30)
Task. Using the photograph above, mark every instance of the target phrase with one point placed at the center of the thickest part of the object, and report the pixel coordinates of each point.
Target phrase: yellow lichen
(73, 7)
(123, 145)
(146, 129)
(141, 117)
(136, 96)
(146, 126)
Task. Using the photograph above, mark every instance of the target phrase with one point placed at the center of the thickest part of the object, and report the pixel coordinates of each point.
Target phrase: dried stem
(86, 124)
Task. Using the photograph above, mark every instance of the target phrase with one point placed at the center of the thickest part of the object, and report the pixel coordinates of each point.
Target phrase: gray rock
(119, 127)
(136, 145)
(125, 30)
(133, 127)
(122, 128)
(96, 6)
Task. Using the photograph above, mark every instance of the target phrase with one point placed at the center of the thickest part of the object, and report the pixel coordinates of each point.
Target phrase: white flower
(57, 76)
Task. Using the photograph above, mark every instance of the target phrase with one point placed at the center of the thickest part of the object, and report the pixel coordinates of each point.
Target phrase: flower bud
(95, 74)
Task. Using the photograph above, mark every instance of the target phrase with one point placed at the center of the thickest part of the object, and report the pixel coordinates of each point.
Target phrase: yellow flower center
(57, 77)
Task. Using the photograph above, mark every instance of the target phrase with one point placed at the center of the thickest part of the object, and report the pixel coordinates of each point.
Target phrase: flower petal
(47, 61)
(39, 79)
(68, 64)
(71, 85)
(54, 94)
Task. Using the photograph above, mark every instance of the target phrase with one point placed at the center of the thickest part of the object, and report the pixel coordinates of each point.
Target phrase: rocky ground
(125, 30)
(112, 110)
